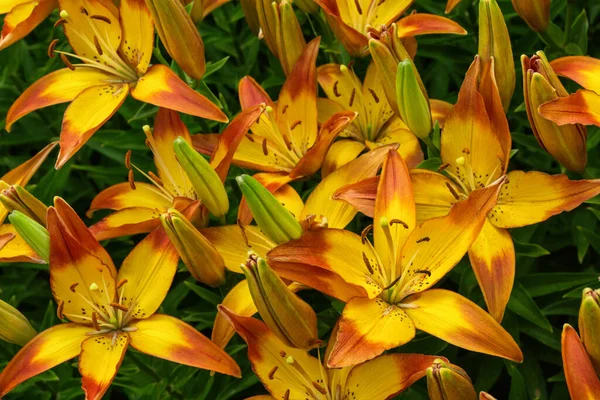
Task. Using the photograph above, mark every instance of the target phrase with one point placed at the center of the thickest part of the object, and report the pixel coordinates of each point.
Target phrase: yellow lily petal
(434, 193)
(339, 15)
(22, 19)
(14, 249)
(578, 108)
(439, 111)
(360, 195)
(48, 349)
(339, 154)
(146, 287)
(582, 381)
(387, 12)
(125, 222)
(395, 131)
(582, 69)
(122, 195)
(138, 34)
(290, 199)
(239, 301)
(100, 359)
(427, 24)
(531, 197)
(86, 114)
(492, 257)
(460, 322)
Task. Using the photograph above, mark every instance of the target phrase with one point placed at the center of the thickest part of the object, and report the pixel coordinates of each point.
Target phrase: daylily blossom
(394, 275)
(565, 141)
(290, 373)
(351, 21)
(285, 143)
(535, 12)
(581, 378)
(22, 17)
(376, 123)
(14, 327)
(109, 310)
(12, 246)
(138, 205)
(589, 325)
(582, 107)
(320, 210)
(447, 381)
(115, 47)
(475, 150)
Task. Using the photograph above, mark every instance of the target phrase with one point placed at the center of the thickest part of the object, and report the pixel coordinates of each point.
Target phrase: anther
(358, 7)
(51, 48)
(130, 179)
(320, 388)
(425, 239)
(284, 109)
(443, 167)
(375, 97)
(287, 142)
(73, 286)
(243, 231)
(466, 151)
(423, 271)
(264, 147)
(249, 137)
(59, 309)
(121, 283)
(365, 232)
(98, 47)
(119, 306)
(295, 124)
(367, 263)
(283, 354)
(352, 97)
(101, 18)
(397, 221)
(272, 373)
(286, 395)
(60, 22)
(67, 63)
(128, 159)
(335, 89)
(95, 321)
(83, 10)
(94, 286)
(452, 191)
(156, 178)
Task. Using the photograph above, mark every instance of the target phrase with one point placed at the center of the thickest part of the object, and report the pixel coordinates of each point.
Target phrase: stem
(434, 150)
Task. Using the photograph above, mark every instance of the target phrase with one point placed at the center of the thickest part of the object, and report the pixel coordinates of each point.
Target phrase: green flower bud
(34, 234)
(589, 325)
(413, 105)
(14, 327)
(447, 381)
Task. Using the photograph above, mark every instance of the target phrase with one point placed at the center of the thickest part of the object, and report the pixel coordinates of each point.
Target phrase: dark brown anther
(73, 286)
(60, 22)
(156, 179)
(98, 47)
(101, 18)
(121, 283)
(352, 97)
(367, 263)
(119, 306)
(423, 271)
(358, 7)
(295, 124)
(375, 97)
(425, 239)
(282, 353)
(452, 191)
(59, 309)
(272, 373)
(397, 221)
(365, 232)
(128, 159)
(335, 89)
(466, 151)
(380, 2)
(320, 388)
(284, 108)
(287, 142)
(249, 137)
(286, 395)
(130, 179)
(67, 63)
(51, 48)
(83, 10)
(264, 147)
(95, 321)
(443, 167)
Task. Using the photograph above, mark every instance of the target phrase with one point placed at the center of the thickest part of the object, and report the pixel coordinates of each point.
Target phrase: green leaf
(518, 389)
(432, 164)
(522, 304)
(529, 249)
(212, 67)
(579, 32)
(547, 283)
(203, 293)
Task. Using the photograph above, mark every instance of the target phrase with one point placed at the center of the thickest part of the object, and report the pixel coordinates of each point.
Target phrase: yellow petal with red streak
(387, 375)
(99, 361)
(395, 215)
(57, 87)
(149, 270)
(460, 322)
(339, 154)
(434, 193)
(492, 257)
(121, 195)
(395, 131)
(277, 366)
(14, 249)
(339, 21)
(488, 88)
(335, 250)
(252, 94)
(360, 195)
(531, 197)
(341, 87)
(582, 381)
(161, 87)
(368, 328)
(48, 349)
(321, 201)
(297, 104)
(86, 114)
(23, 19)
(582, 69)
(169, 338)
(579, 108)
(138, 34)
(439, 111)
(234, 241)
(437, 245)
(125, 222)
(239, 300)
(427, 24)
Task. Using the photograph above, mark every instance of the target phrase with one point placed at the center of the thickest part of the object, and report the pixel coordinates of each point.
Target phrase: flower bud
(413, 105)
(447, 381)
(281, 31)
(203, 260)
(34, 234)
(251, 14)
(179, 35)
(15, 198)
(589, 325)
(14, 327)
(291, 319)
(387, 51)
(308, 6)
(567, 143)
(271, 216)
(535, 12)
(204, 178)
(494, 41)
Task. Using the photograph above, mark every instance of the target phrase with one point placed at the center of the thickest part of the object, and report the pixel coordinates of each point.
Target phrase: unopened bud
(291, 319)
(15, 198)
(589, 325)
(413, 105)
(204, 178)
(199, 255)
(34, 234)
(270, 215)
(535, 12)
(14, 327)
(447, 381)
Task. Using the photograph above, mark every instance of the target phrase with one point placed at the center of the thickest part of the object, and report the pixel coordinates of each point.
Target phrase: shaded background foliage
(555, 259)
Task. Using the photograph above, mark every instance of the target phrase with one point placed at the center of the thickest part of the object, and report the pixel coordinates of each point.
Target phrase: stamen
(443, 167)
(284, 108)
(397, 221)
(249, 137)
(121, 283)
(335, 89)
(98, 47)
(452, 191)
(367, 263)
(286, 395)
(271, 374)
(352, 97)
(365, 232)
(59, 309)
(129, 329)
(95, 321)
(423, 271)
(51, 48)
(375, 97)
(264, 147)
(131, 179)
(101, 18)
(83, 10)
(358, 7)
(60, 22)
(156, 178)
(73, 286)
(425, 239)
(294, 125)
(320, 388)
(119, 306)
(128, 159)
(243, 231)
(66, 61)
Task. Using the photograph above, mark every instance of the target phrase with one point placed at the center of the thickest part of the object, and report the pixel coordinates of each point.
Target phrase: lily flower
(285, 143)
(581, 107)
(114, 47)
(395, 274)
(582, 381)
(376, 123)
(12, 246)
(138, 205)
(234, 242)
(22, 17)
(564, 140)
(350, 21)
(109, 310)
(291, 373)
(475, 150)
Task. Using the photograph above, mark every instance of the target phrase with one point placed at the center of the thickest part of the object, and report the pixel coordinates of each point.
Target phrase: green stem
(434, 150)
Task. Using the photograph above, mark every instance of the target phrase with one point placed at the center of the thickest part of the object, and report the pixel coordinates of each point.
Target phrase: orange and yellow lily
(291, 373)
(475, 150)
(286, 143)
(582, 107)
(376, 123)
(109, 310)
(582, 381)
(12, 246)
(394, 276)
(115, 47)
(138, 205)
(351, 20)
(22, 17)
